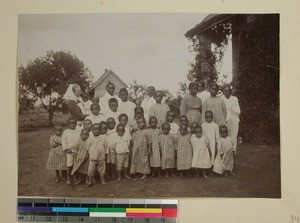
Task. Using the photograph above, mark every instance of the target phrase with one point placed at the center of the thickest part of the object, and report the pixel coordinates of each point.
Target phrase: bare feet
(119, 179)
(56, 180)
(197, 175)
(68, 182)
(167, 175)
(103, 182)
(231, 173)
(77, 182)
(89, 184)
(127, 177)
(205, 176)
(226, 174)
(143, 177)
(181, 174)
(173, 175)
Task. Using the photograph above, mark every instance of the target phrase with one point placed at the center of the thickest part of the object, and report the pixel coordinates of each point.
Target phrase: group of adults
(226, 107)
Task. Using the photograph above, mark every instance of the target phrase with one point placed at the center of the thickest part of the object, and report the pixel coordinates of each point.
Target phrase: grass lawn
(257, 169)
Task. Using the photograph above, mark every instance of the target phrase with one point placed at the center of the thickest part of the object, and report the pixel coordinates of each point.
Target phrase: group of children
(156, 145)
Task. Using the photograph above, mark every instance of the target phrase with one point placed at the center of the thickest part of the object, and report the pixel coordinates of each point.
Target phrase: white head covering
(69, 95)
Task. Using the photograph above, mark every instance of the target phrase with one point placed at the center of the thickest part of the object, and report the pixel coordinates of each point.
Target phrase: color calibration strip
(97, 210)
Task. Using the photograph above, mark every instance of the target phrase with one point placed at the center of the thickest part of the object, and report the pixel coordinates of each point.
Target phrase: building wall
(101, 88)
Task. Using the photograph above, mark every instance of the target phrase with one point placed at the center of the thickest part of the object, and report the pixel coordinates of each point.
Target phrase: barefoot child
(111, 158)
(98, 151)
(211, 132)
(167, 146)
(141, 149)
(201, 155)
(225, 149)
(120, 144)
(159, 110)
(69, 142)
(174, 127)
(81, 161)
(154, 158)
(57, 158)
(184, 150)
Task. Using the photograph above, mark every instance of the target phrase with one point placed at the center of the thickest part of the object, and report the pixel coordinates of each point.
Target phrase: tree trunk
(50, 117)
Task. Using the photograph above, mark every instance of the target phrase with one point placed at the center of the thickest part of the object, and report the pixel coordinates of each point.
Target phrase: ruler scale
(97, 210)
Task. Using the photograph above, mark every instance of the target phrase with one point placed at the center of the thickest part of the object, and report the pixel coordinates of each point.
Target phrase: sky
(149, 48)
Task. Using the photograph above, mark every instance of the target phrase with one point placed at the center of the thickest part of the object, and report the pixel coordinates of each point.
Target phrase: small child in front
(184, 151)
(211, 131)
(97, 147)
(138, 114)
(69, 142)
(201, 155)
(167, 146)
(121, 142)
(141, 149)
(81, 161)
(57, 158)
(225, 149)
(154, 157)
(174, 127)
(111, 158)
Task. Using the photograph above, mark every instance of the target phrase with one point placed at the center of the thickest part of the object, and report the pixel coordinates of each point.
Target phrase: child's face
(170, 117)
(150, 91)
(226, 92)
(113, 106)
(85, 97)
(84, 135)
(183, 129)
(72, 124)
(153, 123)
(193, 127)
(141, 124)
(120, 131)
(124, 96)
(58, 131)
(96, 130)
(103, 129)
(123, 121)
(183, 119)
(213, 91)
(166, 130)
(139, 114)
(111, 123)
(158, 97)
(95, 110)
(208, 117)
(87, 125)
(198, 132)
(223, 132)
(193, 90)
(111, 89)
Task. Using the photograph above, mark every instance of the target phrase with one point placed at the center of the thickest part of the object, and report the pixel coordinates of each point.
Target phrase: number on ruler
(146, 219)
(163, 220)
(114, 219)
(49, 218)
(130, 219)
(20, 218)
(65, 219)
(98, 219)
(81, 219)
(32, 218)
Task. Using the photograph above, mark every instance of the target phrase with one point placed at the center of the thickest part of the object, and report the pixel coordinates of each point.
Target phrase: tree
(47, 78)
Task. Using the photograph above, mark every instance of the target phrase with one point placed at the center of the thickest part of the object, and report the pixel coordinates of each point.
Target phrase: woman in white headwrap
(72, 98)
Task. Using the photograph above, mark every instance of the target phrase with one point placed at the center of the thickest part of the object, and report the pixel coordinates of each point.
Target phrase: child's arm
(220, 149)
(53, 143)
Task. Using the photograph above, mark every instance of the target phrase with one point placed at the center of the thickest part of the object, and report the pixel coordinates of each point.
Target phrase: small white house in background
(99, 87)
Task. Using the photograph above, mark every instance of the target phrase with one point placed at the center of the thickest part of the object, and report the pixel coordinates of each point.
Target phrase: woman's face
(227, 92)
(77, 91)
(111, 89)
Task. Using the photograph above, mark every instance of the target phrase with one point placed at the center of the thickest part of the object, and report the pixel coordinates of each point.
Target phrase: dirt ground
(257, 169)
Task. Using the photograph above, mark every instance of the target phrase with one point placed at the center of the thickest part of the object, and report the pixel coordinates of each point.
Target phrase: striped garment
(184, 152)
(167, 146)
(81, 163)
(57, 158)
(139, 160)
(155, 159)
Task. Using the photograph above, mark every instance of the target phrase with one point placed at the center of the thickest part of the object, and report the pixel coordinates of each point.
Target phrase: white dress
(127, 108)
(201, 158)
(103, 102)
(211, 131)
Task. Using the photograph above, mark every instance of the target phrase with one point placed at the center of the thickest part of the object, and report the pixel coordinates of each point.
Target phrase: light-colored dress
(225, 147)
(201, 157)
(146, 104)
(57, 158)
(127, 108)
(218, 107)
(191, 107)
(233, 117)
(160, 112)
(174, 127)
(114, 115)
(155, 159)
(111, 158)
(103, 102)
(167, 147)
(203, 95)
(184, 151)
(211, 132)
(70, 140)
(85, 107)
(97, 118)
(81, 162)
(139, 160)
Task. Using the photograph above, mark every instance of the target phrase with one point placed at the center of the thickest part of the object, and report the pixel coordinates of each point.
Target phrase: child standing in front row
(138, 114)
(155, 159)
(184, 151)
(97, 147)
(69, 142)
(57, 158)
(225, 149)
(201, 155)
(211, 131)
(141, 149)
(111, 158)
(167, 146)
(121, 142)
(81, 161)
(173, 126)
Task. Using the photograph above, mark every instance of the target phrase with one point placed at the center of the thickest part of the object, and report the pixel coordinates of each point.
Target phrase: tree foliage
(47, 77)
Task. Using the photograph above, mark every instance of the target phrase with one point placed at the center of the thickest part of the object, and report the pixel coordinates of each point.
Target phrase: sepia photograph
(149, 105)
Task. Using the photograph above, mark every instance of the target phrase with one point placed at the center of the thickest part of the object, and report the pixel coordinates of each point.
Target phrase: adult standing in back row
(233, 113)
(216, 105)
